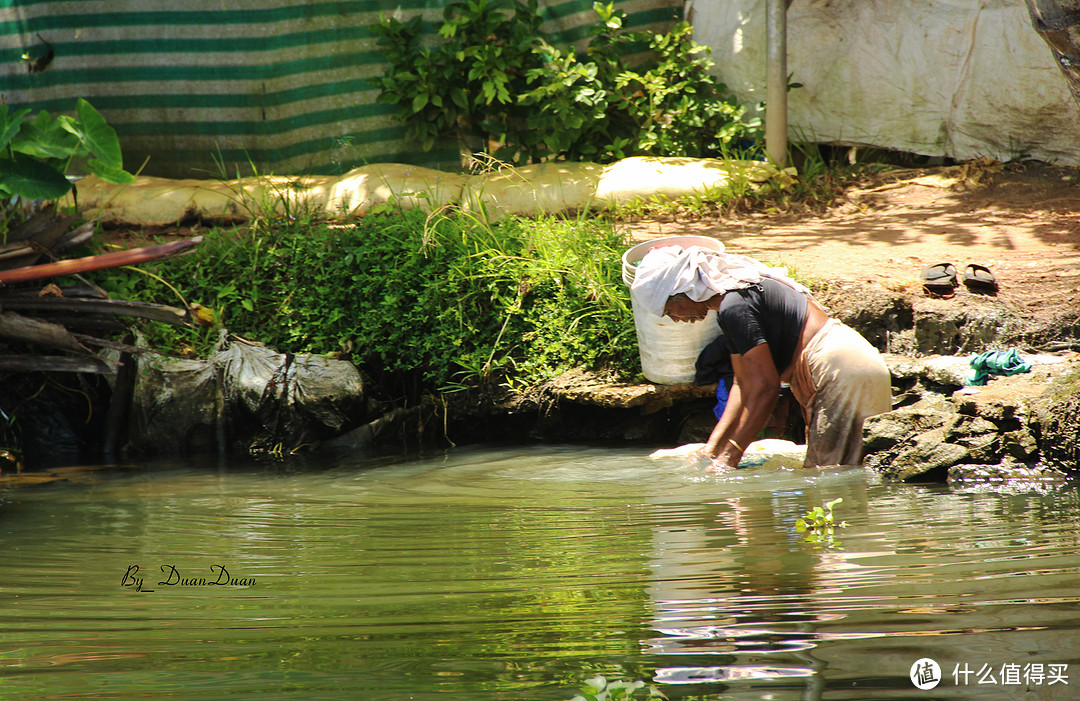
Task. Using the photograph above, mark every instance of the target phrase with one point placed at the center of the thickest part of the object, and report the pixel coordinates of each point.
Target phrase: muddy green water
(493, 574)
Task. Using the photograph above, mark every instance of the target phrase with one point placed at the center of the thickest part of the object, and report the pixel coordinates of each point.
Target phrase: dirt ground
(1022, 222)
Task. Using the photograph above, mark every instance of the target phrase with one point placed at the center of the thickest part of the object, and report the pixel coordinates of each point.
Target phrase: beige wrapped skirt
(839, 379)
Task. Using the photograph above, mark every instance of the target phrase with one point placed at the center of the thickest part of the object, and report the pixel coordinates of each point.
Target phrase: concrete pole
(776, 81)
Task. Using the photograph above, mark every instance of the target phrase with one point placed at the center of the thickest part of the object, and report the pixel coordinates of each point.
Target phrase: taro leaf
(46, 138)
(32, 179)
(98, 136)
(10, 124)
(108, 173)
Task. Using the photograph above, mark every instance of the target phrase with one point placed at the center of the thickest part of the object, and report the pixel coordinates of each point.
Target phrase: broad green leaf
(46, 138)
(62, 121)
(108, 173)
(32, 179)
(98, 136)
(10, 124)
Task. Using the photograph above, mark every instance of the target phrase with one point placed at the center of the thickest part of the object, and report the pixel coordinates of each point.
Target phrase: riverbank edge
(1020, 429)
(1014, 429)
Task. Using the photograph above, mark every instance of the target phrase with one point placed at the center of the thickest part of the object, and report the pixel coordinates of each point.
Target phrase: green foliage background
(442, 302)
(492, 83)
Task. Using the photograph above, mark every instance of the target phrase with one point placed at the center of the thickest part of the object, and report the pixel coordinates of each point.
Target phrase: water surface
(518, 573)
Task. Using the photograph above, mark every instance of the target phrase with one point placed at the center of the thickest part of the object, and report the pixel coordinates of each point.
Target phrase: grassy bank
(418, 302)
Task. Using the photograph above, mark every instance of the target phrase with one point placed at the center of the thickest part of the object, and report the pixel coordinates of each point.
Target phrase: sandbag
(283, 401)
(547, 188)
(645, 177)
(408, 186)
(555, 187)
(175, 408)
(245, 396)
(150, 201)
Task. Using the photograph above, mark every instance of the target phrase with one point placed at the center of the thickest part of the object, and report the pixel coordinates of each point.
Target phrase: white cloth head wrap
(698, 272)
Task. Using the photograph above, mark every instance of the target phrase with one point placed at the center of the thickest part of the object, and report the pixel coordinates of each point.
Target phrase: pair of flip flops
(940, 279)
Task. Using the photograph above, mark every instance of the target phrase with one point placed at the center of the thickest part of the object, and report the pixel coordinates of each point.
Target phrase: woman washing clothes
(776, 333)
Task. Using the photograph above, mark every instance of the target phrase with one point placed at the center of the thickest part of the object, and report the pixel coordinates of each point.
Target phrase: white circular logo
(925, 673)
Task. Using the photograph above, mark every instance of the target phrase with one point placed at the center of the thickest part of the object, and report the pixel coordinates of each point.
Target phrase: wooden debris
(113, 307)
(79, 474)
(54, 363)
(21, 328)
(69, 319)
(103, 261)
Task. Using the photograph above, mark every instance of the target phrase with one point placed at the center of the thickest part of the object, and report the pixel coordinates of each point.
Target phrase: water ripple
(513, 574)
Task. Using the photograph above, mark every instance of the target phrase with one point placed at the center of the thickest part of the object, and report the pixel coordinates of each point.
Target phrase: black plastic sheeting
(244, 397)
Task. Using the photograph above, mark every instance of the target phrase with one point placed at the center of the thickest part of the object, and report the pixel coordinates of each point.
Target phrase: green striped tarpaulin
(208, 86)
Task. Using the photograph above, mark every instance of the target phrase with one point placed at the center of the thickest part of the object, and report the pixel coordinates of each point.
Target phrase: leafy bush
(444, 301)
(36, 154)
(467, 87)
(495, 85)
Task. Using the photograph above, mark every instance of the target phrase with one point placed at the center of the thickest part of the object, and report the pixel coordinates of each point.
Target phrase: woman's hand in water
(720, 465)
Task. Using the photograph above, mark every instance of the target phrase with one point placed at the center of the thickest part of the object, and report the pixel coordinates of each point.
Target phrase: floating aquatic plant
(600, 689)
(818, 524)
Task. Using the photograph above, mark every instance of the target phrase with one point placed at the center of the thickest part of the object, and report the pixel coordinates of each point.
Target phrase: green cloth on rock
(983, 365)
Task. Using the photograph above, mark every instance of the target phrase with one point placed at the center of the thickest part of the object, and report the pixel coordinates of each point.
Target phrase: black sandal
(978, 278)
(939, 280)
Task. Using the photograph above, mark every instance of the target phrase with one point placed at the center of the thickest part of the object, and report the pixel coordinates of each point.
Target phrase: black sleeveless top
(767, 312)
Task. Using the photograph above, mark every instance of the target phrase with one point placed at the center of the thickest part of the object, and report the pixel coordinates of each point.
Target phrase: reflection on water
(517, 573)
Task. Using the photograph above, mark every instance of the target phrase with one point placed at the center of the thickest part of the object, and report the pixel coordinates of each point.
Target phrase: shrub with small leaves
(445, 301)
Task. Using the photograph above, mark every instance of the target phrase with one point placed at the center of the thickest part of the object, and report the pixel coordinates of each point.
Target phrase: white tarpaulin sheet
(958, 78)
